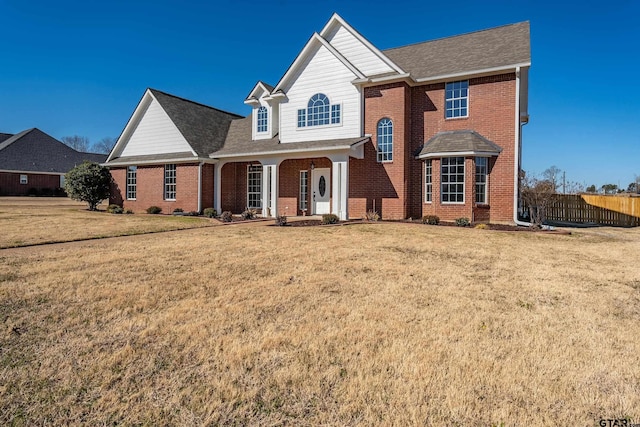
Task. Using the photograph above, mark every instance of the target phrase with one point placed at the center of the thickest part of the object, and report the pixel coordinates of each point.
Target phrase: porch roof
(458, 143)
(182, 157)
(240, 144)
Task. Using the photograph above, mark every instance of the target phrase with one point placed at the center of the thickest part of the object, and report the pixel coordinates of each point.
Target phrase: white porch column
(270, 187)
(340, 185)
(217, 186)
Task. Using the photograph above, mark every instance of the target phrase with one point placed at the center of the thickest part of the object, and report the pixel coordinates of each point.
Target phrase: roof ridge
(4, 144)
(194, 102)
(456, 35)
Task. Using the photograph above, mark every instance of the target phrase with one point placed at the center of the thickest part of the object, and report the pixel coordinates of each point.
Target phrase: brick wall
(150, 188)
(10, 183)
(492, 114)
(383, 186)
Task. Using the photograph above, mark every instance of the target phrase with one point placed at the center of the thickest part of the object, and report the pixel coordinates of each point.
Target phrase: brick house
(33, 162)
(429, 128)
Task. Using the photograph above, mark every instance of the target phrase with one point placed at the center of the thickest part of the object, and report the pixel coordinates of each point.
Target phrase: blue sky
(80, 67)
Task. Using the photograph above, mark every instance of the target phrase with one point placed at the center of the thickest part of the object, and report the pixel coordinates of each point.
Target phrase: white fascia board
(281, 152)
(457, 154)
(135, 118)
(404, 77)
(31, 172)
(338, 19)
(470, 74)
(160, 162)
(315, 38)
(251, 101)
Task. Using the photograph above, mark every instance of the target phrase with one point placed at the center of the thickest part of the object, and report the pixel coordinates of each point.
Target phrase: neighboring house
(430, 128)
(32, 162)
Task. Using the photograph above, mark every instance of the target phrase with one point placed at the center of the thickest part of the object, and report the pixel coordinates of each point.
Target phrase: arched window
(263, 115)
(319, 112)
(385, 140)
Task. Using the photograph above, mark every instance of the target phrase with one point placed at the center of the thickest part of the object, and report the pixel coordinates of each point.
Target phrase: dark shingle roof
(493, 48)
(5, 136)
(203, 127)
(458, 141)
(34, 151)
(239, 143)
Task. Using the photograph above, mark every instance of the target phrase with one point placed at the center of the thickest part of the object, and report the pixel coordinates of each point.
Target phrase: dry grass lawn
(372, 324)
(32, 220)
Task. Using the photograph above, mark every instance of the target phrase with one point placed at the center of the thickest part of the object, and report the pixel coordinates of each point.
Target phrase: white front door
(321, 191)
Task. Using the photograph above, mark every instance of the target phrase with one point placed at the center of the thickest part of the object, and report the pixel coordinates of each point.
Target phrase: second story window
(457, 99)
(319, 112)
(385, 140)
(262, 118)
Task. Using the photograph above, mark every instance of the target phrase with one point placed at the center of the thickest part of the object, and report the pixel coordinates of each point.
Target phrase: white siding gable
(155, 133)
(356, 52)
(321, 72)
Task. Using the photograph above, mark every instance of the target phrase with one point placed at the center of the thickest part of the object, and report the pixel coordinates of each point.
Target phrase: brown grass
(372, 324)
(31, 221)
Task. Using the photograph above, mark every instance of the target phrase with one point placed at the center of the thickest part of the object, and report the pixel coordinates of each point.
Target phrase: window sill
(452, 203)
(457, 118)
(332, 125)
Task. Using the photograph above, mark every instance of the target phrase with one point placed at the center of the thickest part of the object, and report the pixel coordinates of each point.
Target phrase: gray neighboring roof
(480, 50)
(5, 136)
(34, 151)
(204, 127)
(459, 141)
(239, 143)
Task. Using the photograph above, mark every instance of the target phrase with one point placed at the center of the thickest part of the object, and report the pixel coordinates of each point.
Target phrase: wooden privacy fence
(586, 208)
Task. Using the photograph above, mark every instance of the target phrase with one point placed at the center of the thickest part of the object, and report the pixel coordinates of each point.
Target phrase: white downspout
(517, 157)
(200, 187)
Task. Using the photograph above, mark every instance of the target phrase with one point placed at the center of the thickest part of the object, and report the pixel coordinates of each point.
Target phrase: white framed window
(24, 179)
(304, 190)
(254, 187)
(481, 180)
(262, 119)
(385, 140)
(452, 179)
(457, 99)
(132, 178)
(428, 181)
(302, 117)
(170, 182)
(319, 112)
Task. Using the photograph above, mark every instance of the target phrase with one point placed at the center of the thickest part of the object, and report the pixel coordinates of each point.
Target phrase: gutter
(517, 155)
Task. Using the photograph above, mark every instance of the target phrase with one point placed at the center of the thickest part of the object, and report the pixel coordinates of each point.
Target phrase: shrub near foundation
(330, 219)
(210, 213)
(431, 219)
(153, 210)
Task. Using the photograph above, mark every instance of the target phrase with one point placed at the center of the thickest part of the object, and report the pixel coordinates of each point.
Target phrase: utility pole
(564, 182)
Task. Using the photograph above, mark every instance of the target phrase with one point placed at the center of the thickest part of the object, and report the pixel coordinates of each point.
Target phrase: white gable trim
(315, 39)
(133, 123)
(256, 93)
(337, 19)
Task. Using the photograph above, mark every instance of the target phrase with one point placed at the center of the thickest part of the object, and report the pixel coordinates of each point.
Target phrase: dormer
(264, 114)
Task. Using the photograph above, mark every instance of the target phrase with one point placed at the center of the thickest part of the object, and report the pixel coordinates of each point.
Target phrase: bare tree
(553, 175)
(537, 195)
(78, 143)
(104, 146)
